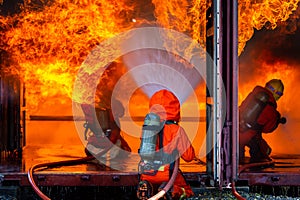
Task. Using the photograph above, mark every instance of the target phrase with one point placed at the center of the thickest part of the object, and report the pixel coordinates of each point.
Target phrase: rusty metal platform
(124, 172)
(284, 171)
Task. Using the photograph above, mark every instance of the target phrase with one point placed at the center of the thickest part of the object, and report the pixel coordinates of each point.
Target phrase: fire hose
(167, 187)
(57, 164)
(174, 174)
(255, 165)
(234, 192)
(161, 193)
(86, 159)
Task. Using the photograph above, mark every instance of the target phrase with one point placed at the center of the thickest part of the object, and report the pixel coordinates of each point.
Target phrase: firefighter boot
(259, 150)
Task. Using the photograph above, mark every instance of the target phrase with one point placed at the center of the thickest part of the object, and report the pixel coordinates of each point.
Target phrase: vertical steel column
(23, 114)
(1, 118)
(209, 89)
(11, 140)
(215, 94)
(222, 91)
(235, 75)
(229, 62)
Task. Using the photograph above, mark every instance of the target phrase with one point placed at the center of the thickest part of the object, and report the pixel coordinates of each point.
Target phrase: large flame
(256, 14)
(49, 42)
(183, 16)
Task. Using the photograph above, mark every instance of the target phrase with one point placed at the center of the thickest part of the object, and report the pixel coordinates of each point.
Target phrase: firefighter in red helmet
(172, 142)
(258, 114)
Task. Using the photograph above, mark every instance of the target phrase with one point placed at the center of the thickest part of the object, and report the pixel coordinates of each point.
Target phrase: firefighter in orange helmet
(173, 142)
(258, 114)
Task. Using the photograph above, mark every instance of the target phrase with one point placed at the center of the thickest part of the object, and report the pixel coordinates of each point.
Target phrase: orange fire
(183, 16)
(261, 13)
(49, 42)
(278, 70)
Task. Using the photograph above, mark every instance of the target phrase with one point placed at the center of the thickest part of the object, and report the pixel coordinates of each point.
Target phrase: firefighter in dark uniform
(108, 120)
(258, 114)
(103, 118)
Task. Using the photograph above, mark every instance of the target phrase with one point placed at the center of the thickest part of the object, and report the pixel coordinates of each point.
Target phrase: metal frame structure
(222, 113)
(222, 79)
(12, 119)
(229, 66)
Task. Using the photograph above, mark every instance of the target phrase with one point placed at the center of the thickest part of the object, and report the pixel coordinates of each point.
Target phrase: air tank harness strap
(173, 155)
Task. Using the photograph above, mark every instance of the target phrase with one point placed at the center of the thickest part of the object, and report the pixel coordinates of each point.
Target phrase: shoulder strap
(162, 131)
(161, 138)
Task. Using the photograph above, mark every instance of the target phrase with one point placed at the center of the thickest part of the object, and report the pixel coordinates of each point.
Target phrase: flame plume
(49, 40)
(50, 44)
(183, 16)
(256, 14)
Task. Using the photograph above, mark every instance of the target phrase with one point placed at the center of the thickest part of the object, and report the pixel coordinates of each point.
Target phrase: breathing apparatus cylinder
(151, 128)
(103, 117)
(250, 112)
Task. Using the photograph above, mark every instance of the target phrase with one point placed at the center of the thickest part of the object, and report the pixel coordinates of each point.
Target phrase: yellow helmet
(276, 87)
